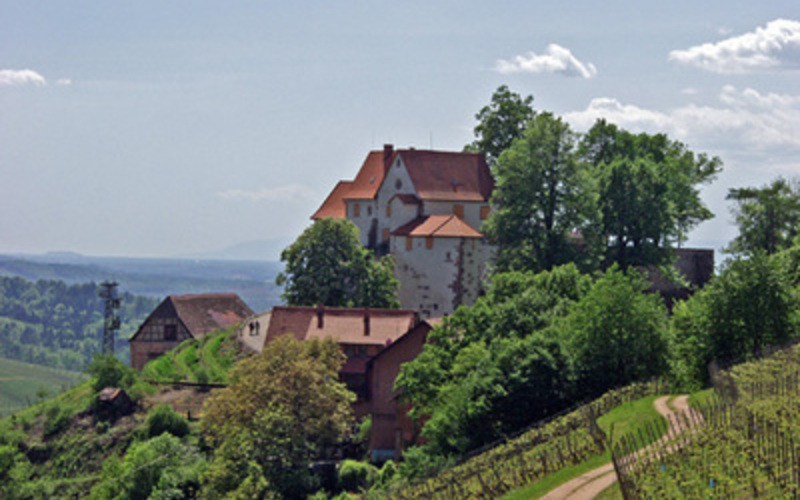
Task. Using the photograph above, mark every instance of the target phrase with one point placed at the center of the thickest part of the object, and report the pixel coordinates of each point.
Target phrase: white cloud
(556, 59)
(13, 77)
(283, 193)
(777, 45)
(743, 120)
(63, 81)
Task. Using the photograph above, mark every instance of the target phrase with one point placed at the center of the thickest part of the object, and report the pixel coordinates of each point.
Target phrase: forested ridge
(51, 323)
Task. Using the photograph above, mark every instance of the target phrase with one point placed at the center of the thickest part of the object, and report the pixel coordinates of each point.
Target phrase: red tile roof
(439, 226)
(345, 325)
(436, 176)
(334, 205)
(368, 181)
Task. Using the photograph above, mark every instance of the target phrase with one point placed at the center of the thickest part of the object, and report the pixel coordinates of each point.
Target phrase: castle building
(425, 208)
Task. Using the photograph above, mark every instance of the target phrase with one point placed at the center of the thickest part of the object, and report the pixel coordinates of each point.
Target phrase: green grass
(611, 493)
(629, 417)
(20, 382)
(209, 358)
(552, 481)
(700, 398)
(626, 418)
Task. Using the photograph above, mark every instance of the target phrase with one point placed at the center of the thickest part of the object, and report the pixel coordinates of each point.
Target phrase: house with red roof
(426, 209)
(181, 317)
(360, 332)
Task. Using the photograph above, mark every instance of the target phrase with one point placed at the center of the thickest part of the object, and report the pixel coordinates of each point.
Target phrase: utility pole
(111, 322)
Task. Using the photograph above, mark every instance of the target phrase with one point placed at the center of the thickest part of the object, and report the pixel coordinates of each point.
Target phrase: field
(22, 384)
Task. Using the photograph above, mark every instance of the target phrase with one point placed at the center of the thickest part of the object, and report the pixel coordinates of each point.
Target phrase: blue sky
(164, 128)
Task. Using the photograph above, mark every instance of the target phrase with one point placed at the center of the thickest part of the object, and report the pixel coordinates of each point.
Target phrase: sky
(172, 128)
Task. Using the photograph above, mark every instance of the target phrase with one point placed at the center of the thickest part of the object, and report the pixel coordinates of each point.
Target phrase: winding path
(587, 486)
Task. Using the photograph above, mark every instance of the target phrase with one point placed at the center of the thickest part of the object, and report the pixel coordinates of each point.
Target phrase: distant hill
(22, 383)
(254, 281)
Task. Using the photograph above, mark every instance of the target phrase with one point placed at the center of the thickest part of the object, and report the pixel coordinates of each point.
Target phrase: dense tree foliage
(161, 467)
(501, 122)
(648, 191)
(545, 207)
(328, 265)
(768, 217)
(59, 325)
(283, 408)
(752, 304)
(615, 334)
(488, 370)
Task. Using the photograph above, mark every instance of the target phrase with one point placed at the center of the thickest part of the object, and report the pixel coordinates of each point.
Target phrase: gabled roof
(445, 176)
(439, 226)
(334, 205)
(202, 313)
(360, 326)
(436, 176)
(406, 199)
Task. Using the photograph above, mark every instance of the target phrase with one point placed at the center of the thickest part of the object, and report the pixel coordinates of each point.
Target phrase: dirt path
(589, 485)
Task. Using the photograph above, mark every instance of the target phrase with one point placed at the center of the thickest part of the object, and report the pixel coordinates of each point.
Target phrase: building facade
(425, 208)
(181, 317)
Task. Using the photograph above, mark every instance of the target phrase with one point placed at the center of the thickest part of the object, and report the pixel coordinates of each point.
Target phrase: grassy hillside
(22, 384)
(206, 360)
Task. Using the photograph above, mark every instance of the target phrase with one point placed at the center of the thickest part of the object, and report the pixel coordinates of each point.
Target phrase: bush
(57, 419)
(356, 476)
(108, 371)
(164, 419)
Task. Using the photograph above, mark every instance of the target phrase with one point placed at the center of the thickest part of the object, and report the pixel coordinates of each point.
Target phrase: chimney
(388, 150)
(320, 316)
(366, 322)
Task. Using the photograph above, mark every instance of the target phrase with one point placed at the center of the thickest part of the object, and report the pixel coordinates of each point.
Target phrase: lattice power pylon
(111, 321)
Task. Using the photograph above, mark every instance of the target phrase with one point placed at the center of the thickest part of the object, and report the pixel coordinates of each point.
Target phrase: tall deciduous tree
(501, 122)
(327, 265)
(282, 409)
(768, 217)
(545, 204)
(649, 191)
(615, 334)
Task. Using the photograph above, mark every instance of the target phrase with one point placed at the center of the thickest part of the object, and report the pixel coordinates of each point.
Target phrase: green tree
(327, 265)
(501, 122)
(543, 200)
(162, 467)
(648, 191)
(283, 408)
(750, 305)
(616, 334)
(488, 370)
(108, 371)
(768, 217)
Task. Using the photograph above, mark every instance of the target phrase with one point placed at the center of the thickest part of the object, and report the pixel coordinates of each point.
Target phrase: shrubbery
(164, 419)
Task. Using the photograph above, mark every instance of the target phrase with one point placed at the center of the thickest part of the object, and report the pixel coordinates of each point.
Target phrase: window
(385, 234)
(369, 210)
(388, 210)
(398, 183)
(485, 212)
(170, 332)
(409, 243)
(356, 210)
(429, 242)
(458, 211)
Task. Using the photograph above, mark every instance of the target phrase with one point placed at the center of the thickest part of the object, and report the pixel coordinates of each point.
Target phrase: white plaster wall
(476, 254)
(472, 210)
(364, 218)
(401, 213)
(397, 172)
(427, 276)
